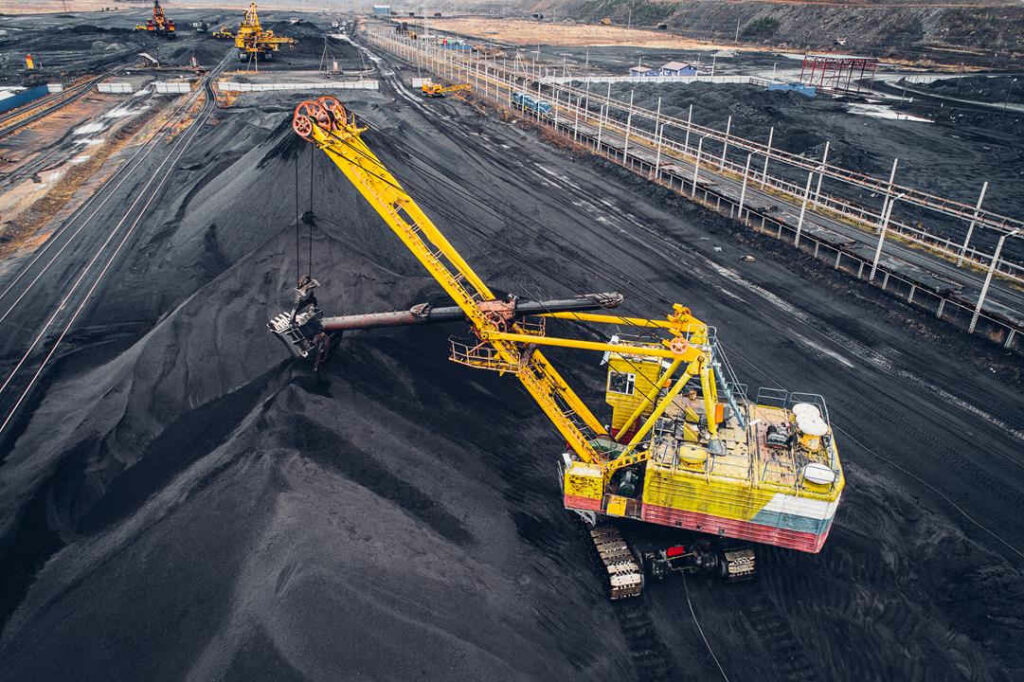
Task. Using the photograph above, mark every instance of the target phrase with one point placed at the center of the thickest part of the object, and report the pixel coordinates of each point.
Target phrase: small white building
(643, 72)
(678, 69)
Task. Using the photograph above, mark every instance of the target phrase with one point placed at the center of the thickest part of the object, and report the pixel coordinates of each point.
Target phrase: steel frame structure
(836, 72)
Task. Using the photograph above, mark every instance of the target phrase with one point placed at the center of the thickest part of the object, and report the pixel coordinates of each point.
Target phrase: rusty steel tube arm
(423, 313)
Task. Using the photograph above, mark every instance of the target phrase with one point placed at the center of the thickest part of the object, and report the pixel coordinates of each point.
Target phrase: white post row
(448, 62)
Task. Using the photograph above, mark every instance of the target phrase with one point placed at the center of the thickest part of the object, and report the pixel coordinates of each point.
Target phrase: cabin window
(621, 382)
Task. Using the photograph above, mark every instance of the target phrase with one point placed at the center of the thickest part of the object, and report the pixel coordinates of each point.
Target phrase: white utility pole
(743, 190)
(576, 122)
(725, 144)
(629, 123)
(658, 128)
(888, 193)
(803, 209)
(696, 167)
(988, 279)
(689, 119)
(821, 174)
(881, 236)
(970, 229)
(767, 155)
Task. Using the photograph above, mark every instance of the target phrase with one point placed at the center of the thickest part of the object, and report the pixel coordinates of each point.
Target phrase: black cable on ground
(696, 622)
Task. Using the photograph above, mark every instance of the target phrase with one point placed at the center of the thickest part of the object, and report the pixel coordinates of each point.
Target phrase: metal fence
(235, 86)
(650, 153)
(644, 80)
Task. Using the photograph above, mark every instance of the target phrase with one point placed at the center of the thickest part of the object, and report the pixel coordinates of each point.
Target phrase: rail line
(144, 197)
(96, 201)
(21, 117)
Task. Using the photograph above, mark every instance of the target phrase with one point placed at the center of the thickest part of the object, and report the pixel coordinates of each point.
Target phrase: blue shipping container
(23, 97)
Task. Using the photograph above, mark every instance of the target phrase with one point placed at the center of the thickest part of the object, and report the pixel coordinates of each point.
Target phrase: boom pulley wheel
(312, 112)
(334, 108)
(302, 126)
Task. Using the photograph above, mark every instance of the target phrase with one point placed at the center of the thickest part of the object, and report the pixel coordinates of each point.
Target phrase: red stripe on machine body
(743, 530)
(583, 503)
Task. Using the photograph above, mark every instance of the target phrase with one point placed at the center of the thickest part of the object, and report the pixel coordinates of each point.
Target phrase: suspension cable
(298, 256)
(309, 261)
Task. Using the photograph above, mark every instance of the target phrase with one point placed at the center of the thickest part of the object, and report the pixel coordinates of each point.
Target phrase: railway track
(79, 255)
(23, 116)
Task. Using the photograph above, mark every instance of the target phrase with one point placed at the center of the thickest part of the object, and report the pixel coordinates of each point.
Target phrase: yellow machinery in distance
(252, 41)
(431, 89)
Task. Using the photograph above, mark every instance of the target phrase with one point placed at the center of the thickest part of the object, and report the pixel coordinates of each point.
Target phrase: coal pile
(188, 501)
(979, 88)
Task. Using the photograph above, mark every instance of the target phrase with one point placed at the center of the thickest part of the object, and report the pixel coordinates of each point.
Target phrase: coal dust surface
(186, 501)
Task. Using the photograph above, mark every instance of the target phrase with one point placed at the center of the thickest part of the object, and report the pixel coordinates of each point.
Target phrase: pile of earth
(979, 88)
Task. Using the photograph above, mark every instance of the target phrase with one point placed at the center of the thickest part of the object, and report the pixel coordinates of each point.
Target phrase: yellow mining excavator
(683, 447)
(431, 89)
(253, 41)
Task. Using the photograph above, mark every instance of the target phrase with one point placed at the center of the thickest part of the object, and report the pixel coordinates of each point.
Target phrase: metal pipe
(620, 348)
(423, 313)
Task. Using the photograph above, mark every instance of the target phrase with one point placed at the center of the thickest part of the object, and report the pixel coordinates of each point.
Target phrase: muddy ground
(184, 501)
